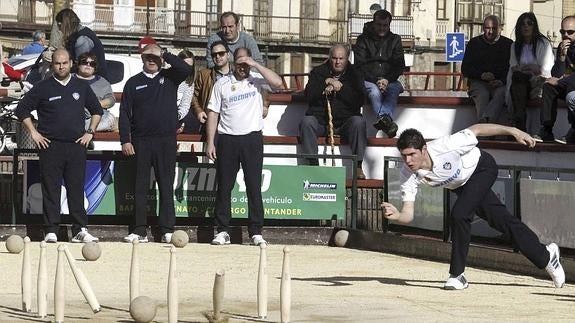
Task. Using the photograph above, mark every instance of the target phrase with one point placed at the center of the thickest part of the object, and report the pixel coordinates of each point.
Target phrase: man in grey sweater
(234, 38)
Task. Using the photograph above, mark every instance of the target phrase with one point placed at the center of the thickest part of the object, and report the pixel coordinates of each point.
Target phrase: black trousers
(63, 161)
(519, 90)
(476, 195)
(233, 151)
(549, 109)
(353, 130)
(158, 153)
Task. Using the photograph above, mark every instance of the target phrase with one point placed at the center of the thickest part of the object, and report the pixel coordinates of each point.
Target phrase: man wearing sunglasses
(233, 37)
(206, 79)
(148, 123)
(561, 85)
(235, 113)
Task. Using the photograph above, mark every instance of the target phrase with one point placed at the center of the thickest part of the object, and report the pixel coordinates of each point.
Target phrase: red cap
(146, 40)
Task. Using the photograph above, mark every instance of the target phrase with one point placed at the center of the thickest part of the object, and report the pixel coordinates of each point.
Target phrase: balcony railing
(400, 25)
(441, 29)
(198, 24)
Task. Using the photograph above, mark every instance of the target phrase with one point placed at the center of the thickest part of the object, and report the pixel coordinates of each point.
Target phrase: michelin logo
(322, 197)
(307, 185)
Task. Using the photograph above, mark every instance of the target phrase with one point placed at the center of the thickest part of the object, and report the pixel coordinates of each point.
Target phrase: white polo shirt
(239, 104)
(454, 158)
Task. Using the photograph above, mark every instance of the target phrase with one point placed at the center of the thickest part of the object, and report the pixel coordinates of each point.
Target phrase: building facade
(293, 35)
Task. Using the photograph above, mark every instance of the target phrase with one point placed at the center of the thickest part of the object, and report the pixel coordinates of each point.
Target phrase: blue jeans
(383, 103)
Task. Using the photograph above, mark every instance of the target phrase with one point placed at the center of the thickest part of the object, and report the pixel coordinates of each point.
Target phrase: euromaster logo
(323, 197)
(307, 185)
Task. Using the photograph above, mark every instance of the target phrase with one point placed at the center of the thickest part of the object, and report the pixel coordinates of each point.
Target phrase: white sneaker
(132, 236)
(221, 238)
(257, 240)
(554, 268)
(51, 237)
(456, 283)
(167, 238)
(83, 236)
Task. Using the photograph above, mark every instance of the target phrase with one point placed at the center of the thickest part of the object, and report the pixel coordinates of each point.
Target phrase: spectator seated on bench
(530, 64)
(337, 86)
(560, 86)
(485, 65)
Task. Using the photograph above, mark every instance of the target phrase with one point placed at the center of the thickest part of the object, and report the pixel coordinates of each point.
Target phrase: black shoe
(545, 135)
(382, 123)
(386, 124)
(392, 130)
(568, 139)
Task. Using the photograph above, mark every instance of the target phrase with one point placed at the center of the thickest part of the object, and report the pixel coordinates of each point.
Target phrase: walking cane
(330, 130)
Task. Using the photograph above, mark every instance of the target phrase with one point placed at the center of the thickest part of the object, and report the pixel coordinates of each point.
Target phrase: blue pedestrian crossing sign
(454, 47)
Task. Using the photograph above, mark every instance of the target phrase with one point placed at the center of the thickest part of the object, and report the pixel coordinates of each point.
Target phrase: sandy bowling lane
(328, 285)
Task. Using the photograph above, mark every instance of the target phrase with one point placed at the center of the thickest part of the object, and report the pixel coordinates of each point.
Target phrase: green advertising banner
(288, 192)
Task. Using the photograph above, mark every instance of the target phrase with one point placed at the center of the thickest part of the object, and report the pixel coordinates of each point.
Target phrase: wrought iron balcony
(400, 25)
(119, 19)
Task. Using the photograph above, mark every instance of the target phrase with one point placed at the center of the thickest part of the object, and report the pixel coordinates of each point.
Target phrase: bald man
(62, 142)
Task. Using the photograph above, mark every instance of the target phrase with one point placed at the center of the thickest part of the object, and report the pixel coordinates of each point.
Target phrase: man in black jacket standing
(148, 123)
(485, 65)
(62, 141)
(337, 81)
(378, 54)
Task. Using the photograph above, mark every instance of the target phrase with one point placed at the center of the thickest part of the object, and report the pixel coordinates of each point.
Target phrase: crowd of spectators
(503, 75)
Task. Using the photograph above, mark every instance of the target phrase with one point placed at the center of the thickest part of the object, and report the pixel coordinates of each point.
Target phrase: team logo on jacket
(76, 95)
(447, 166)
(162, 80)
(233, 87)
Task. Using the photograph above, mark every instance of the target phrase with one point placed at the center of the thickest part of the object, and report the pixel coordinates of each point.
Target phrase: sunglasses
(527, 23)
(150, 58)
(567, 32)
(219, 54)
(88, 63)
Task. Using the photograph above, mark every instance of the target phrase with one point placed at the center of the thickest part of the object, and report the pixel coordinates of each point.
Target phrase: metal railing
(16, 217)
(441, 28)
(294, 82)
(454, 78)
(436, 209)
(400, 25)
(199, 24)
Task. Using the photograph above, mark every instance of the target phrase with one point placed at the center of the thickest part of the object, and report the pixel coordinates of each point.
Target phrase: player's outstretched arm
(492, 129)
(391, 213)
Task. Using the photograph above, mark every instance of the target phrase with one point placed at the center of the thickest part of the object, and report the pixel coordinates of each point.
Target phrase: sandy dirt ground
(328, 285)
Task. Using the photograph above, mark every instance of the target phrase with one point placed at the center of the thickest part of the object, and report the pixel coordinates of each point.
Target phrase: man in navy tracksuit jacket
(62, 142)
(148, 123)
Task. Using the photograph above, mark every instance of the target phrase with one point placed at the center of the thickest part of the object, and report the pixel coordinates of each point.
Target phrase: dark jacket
(481, 57)
(149, 107)
(567, 67)
(567, 83)
(60, 108)
(377, 57)
(344, 104)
